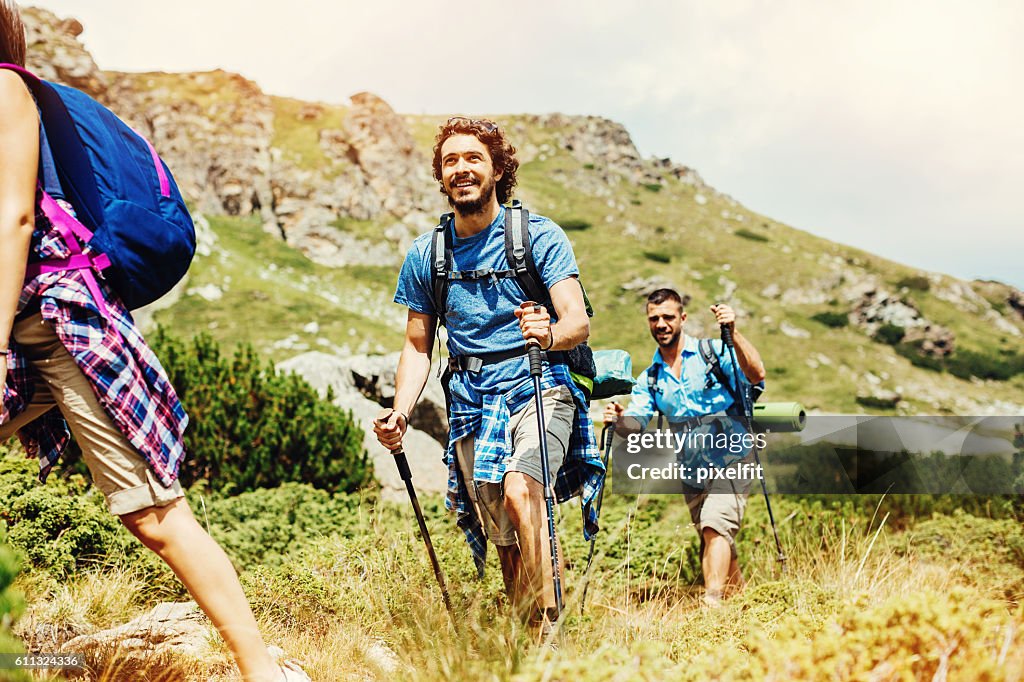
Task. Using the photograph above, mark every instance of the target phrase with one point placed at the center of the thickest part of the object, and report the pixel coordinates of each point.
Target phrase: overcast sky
(894, 126)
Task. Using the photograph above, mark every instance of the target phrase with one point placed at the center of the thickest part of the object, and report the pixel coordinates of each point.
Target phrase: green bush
(253, 428)
(752, 236)
(652, 186)
(574, 224)
(915, 282)
(11, 603)
(658, 256)
(832, 319)
(890, 334)
(61, 526)
(966, 363)
(262, 526)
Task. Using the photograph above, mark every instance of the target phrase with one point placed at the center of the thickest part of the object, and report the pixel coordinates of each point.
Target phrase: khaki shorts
(118, 470)
(720, 506)
(488, 498)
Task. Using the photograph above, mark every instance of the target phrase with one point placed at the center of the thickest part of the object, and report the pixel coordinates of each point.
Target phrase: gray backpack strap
(441, 246)
(713, 369)
(519, 253)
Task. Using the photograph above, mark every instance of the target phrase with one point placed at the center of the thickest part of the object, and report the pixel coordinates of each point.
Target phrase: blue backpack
(129, 210)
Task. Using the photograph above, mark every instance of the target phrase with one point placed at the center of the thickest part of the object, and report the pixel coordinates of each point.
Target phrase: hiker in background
(493, 452)
(682, 383)
(63, 364)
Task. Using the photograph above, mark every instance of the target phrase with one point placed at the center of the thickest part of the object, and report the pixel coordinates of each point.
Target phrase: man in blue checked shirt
(679, 386)
(493, 451)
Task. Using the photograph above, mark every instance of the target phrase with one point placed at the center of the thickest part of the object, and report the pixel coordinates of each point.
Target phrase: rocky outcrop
(55, 52)
(214, 131)
(877, 308)
(424, 453)
(372, 171)
(170, 629)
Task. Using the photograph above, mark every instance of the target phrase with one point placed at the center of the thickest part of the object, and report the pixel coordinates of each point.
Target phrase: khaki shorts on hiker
(720, 506)
(118, 470)
(488, 498)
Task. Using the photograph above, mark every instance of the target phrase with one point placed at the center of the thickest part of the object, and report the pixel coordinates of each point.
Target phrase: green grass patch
(299, 138)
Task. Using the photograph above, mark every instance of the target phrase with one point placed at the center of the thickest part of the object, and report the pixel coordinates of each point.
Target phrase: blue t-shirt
(480, 317)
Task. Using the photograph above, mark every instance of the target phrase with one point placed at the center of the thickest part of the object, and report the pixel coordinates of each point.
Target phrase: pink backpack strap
(71, 231)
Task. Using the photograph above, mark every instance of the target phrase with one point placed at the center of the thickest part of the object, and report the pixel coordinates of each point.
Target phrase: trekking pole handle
(726, 332)
(398, 453)
(533, 348)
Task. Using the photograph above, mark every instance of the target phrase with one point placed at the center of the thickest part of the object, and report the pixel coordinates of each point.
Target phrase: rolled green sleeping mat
(780, 417)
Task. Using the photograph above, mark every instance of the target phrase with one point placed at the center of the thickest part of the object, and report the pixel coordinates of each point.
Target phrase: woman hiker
(62, 364)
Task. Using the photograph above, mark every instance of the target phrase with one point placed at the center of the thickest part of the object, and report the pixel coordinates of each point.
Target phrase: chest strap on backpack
(475, 363)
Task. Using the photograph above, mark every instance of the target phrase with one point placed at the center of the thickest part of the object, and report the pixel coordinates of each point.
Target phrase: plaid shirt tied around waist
(487, 420)
(125, 374)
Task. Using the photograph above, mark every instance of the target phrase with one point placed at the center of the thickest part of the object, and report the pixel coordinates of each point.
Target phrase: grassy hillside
(255, 288)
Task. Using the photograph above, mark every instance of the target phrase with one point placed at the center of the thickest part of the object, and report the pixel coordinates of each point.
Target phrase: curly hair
(503, 154)
(12, 34)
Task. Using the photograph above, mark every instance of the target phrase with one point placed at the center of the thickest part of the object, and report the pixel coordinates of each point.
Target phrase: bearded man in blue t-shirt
(493, 450)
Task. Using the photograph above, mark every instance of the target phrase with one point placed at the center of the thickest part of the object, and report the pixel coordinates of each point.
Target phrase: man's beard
(468, 207)
(672, 340)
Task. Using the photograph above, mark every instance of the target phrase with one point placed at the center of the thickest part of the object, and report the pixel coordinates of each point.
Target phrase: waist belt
(475, 363)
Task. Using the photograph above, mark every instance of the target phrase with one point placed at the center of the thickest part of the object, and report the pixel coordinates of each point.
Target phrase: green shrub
(574, 224)
(966, 363)
(11, 602)
(253, 428)
(832, 319)
(61, 526)
(658, 256)
(988, 552)
(752, 236)
(262, 526)
(652, 186)
(912, 352)
(915, 282)
(890, 334)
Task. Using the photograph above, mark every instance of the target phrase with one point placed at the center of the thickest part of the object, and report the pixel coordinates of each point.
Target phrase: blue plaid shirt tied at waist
(487, 419)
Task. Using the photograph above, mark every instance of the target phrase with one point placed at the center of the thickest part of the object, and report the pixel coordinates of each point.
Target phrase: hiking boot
(547, 628)
(290, 670)
(712, 599)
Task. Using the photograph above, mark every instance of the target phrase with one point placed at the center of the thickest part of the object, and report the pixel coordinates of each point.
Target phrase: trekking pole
(749, 424)
(536, 370)
(607, 433)
(406, 474)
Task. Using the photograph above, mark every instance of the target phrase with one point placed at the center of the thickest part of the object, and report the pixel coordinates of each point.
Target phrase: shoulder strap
(519, 253)
(652, 387)
(440, 265)
(713, 369)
